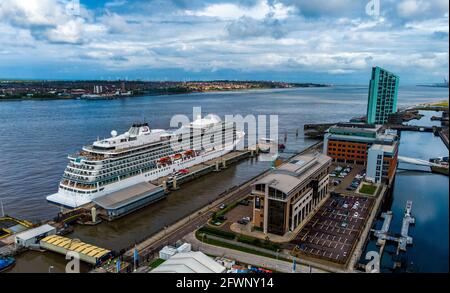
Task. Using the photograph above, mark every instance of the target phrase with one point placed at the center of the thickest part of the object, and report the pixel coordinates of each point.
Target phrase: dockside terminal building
(285, 197)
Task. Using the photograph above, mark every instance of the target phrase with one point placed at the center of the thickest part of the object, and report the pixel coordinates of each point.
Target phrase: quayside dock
(214, 165)
(381, 234)
(403, 239)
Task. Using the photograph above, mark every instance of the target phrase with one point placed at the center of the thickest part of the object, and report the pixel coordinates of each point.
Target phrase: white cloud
(410, 8)
(260, 36)
(114, 23)
(422, 8)
(49, 20)
(259, 11)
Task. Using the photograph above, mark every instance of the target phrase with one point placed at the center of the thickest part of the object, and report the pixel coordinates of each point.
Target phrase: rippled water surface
(36, 136)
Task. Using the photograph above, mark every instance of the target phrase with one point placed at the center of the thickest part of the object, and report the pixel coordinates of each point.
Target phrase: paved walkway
(266, 262)
(360, 246)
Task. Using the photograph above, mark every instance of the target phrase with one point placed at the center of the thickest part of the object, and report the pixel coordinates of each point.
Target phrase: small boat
(164, 160)
(6, 263)
(189, 153)
(177, 157)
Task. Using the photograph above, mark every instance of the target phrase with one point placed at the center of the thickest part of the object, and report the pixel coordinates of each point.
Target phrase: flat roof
(34, 232)
(127, 195)
(189, 262)
(356, 131)
(293, 173)
(385, 148)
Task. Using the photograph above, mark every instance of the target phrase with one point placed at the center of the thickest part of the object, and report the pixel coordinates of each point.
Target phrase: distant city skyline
(335, 42)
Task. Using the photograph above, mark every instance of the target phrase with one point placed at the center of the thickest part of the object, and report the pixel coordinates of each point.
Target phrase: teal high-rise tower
(383, 90)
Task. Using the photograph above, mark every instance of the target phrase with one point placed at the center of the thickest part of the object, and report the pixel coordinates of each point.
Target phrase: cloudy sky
(333, 41)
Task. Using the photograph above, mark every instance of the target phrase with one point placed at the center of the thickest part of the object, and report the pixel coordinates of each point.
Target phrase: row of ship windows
(154, 155)
(136, 172)
(135, 163)
(136, 160)
(125, 173)
(81, 191)
(114, 171)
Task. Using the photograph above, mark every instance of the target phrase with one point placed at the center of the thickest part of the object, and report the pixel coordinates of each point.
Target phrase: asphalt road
(193, 224)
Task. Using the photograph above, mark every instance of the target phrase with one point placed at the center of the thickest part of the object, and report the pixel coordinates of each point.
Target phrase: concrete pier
(387, 216)
(404, 239)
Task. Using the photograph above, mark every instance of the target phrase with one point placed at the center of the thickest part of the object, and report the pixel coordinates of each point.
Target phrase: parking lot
(236, 214)
(342, 184)
(334, 230)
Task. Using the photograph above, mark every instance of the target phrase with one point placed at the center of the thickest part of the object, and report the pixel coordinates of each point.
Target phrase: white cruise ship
(141, 155)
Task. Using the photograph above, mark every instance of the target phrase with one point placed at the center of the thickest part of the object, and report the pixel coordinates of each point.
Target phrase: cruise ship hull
(71, 200)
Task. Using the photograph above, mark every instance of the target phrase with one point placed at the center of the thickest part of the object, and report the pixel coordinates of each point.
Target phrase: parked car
(244, 202)
(242, 222)
(222, 206)
(222, 218)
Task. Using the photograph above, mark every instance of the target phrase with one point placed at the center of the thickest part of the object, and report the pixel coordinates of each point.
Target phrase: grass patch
(217, 232)
(368, 189)
(258, 242)
(236, 247)
(440, 104)
(156, 263)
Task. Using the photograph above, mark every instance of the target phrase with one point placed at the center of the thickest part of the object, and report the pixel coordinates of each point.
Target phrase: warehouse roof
(189, 262)
(127, 195)
(31, 233)
(75, 245)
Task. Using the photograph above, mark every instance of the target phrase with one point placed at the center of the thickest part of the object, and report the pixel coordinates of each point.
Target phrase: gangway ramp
(87, 252)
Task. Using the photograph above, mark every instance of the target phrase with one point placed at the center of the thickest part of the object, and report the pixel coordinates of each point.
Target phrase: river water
(430, 196)
(36, 137)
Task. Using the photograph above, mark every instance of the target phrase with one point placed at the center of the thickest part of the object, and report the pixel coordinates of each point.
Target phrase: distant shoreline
(162, 93)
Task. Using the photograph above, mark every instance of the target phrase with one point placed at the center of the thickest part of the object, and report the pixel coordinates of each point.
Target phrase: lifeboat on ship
(164, 161)
(189, 153)
(177, 157)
